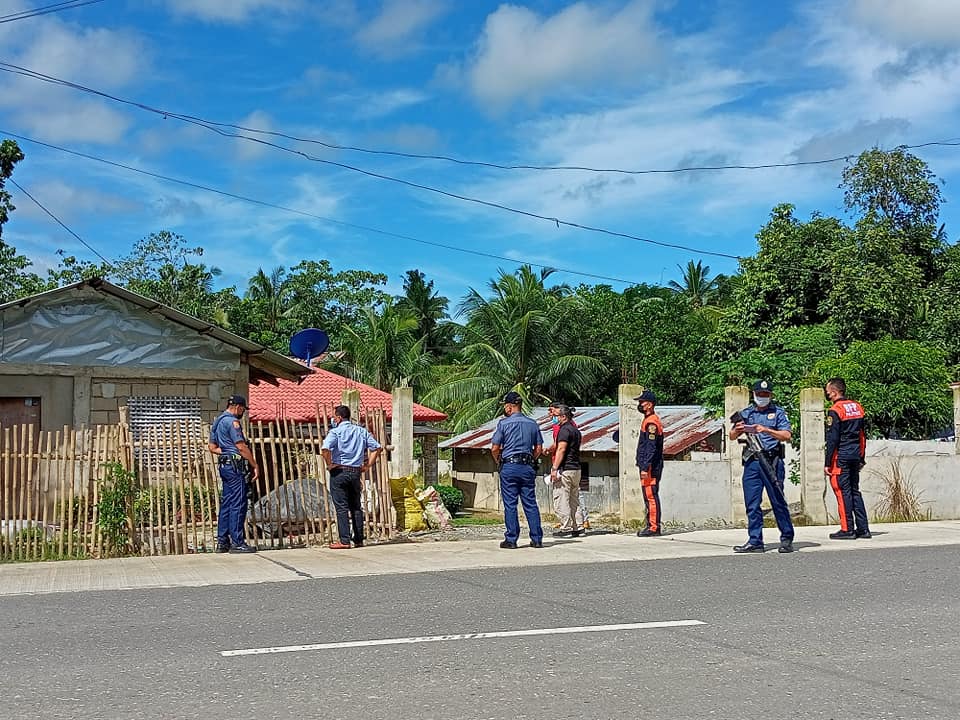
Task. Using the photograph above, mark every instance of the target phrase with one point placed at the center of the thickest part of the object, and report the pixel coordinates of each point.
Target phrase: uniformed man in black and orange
(650, 461)
(846, 449)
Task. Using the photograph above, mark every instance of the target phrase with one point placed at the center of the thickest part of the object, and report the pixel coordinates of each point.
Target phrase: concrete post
(956, 417)
(82, 387)
(631, 495)
(735, 399)
(351, 398)
(401, 433)
(431, 460)
(813, 482)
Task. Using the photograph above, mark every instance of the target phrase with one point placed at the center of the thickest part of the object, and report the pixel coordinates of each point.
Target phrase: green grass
(465, 521)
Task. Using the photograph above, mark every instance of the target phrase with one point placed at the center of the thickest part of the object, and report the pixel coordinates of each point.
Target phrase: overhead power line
(46, 10)
(16, 69)
(304, 213)
(58, 220)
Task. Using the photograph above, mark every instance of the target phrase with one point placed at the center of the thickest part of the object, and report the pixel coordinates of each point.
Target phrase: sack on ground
(403, 492)
(433, 508)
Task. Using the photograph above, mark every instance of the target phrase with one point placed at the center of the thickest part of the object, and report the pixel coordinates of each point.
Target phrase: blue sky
(608, 84)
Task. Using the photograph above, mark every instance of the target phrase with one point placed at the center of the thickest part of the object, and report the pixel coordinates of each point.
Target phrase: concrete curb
(403, 558)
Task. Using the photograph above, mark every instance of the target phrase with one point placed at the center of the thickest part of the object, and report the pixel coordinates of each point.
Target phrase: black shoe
(748, 548)
(843, 535)
(865, 535)
(507, 545)
(222, 549)
(358, 543)
(647, 532)
(786, 546)
(237, 549)
(533, 544)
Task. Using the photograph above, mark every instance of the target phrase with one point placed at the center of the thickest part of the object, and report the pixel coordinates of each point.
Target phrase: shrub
(451, 497)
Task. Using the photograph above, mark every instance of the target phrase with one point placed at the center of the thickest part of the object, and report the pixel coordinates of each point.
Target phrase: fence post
(813, 485)
(401, 433)
(351, 398)
(735, 399)
(631, 495)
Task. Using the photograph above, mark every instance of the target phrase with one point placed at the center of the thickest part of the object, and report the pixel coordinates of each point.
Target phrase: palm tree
(699, 288)
(272, 291)
(383, 349)
(429, 309)
(517, 339)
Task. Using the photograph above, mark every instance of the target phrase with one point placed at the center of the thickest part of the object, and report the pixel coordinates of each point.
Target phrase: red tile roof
(299, 402)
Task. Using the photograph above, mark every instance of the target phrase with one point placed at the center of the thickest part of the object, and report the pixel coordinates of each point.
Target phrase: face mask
(761, 402)
(556, 420)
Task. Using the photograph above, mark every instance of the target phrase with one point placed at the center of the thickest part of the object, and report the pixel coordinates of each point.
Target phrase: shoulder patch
(653, 436)
(829, 419)
(236, 424)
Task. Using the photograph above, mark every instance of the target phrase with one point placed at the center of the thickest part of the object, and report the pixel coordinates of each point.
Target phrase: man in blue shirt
(770, 425)
(236, 462)
(516, 445)
(348, 450)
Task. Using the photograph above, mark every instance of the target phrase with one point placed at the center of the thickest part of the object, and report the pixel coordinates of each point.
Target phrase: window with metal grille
(165, 430)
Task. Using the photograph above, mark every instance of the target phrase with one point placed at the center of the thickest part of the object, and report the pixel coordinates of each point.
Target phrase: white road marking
(463, 636)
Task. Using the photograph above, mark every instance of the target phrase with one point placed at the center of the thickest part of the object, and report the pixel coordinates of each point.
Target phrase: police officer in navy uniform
(770, 424)
(650, 461)
(845, 457)
(237, 463)
(516, 445)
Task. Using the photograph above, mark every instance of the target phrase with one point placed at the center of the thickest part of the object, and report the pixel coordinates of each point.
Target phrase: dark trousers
(651, 498)
(233, 506)
(755, 481)
(519, 482)
(345, 491)
(845, 481)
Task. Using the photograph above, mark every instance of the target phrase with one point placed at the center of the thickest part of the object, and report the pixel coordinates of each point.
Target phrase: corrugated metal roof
(684, 426)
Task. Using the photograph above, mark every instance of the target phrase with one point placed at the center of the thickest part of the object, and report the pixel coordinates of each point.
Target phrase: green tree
(696, 285)
(430, 310)
(518, 338)
(383, 349)
(15, 279)
(902, 384)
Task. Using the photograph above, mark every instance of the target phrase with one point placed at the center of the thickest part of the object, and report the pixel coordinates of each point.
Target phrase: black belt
(519, 459)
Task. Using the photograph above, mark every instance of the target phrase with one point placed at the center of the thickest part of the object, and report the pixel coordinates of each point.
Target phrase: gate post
(813, 484)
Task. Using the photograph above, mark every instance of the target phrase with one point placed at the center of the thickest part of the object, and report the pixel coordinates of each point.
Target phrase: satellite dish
(309, 343)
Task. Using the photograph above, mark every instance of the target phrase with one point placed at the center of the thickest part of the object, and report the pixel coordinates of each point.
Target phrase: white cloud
(249, 150)
(523, 55)
(376, 105)
(232, 11)
(68, 202)
(932, 22)
(396, 29)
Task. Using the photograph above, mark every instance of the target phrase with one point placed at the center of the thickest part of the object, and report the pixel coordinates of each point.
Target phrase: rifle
(754, 449)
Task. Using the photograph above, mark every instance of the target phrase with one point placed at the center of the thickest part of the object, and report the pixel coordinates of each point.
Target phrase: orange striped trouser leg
(652, 500)
(841, 506)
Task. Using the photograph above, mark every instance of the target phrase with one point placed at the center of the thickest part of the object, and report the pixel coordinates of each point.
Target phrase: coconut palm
(272, 292)
(430, 310)
(382, 349)
(518, 339)
(697, 285)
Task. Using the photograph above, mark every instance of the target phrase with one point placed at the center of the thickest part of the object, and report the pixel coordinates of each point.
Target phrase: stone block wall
(108, 395)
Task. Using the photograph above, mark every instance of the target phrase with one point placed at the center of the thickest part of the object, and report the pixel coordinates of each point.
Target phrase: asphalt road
(870, 634)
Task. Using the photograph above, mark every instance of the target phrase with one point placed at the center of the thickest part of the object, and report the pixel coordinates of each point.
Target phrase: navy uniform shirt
(846, 441)
(650, 445)
(773, 417)
(226, 432)
(517, 435)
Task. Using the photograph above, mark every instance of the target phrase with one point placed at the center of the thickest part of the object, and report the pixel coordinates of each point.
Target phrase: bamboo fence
(58, 489)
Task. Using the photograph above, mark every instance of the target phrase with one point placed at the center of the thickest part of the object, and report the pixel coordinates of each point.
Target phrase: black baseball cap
(646, 395)
(512, 397)
(763, 386)
(237, 400)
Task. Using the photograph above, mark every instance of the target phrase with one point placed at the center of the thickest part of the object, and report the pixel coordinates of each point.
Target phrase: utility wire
(58, 220)
(7, 67)
(46, 10)
(305, 213)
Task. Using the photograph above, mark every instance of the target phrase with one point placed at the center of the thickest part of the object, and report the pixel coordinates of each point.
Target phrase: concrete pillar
(401, 433)
(956, 417)
(735, 399)
(351, 398)
(813, 482)
(631, 496)
(82, 387)
(430, 461)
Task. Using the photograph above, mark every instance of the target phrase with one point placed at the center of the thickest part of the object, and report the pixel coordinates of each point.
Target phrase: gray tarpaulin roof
(683, 427)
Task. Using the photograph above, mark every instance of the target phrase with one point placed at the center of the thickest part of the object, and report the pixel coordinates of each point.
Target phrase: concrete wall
(108, 394)
(933, 479)
(55, 393)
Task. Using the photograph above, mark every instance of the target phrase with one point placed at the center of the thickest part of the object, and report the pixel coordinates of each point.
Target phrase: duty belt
(519, 459)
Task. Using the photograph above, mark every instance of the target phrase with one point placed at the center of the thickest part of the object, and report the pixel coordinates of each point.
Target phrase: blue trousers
(754, 482)
(518, 481)
(233, 507)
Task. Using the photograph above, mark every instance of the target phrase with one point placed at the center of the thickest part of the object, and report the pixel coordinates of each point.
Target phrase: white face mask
(761, 402)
